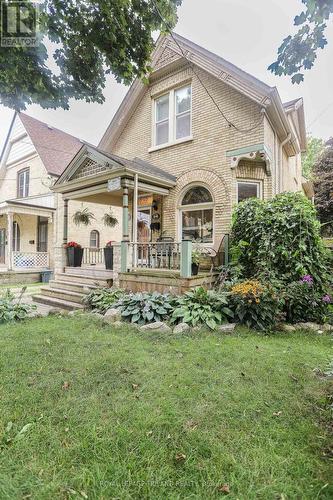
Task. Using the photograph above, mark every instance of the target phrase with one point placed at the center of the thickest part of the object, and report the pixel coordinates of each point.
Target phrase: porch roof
(19, 207)
(76, 181)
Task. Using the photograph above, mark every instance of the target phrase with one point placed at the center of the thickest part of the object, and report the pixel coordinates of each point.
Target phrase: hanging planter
(83, 217)
(74, 254)
(108, 255)
(109, 219)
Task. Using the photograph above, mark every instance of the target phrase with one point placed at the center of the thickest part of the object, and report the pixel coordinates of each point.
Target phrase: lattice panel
(89, 167)
(30, 259)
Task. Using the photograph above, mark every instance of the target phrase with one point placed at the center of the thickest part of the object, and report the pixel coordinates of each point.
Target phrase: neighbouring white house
(34, 156)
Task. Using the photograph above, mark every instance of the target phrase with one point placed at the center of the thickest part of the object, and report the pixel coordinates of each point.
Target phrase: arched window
(197, 215)
(94, 239)
(16, 237)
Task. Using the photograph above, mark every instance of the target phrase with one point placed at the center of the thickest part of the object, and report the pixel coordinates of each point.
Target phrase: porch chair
(219, 257)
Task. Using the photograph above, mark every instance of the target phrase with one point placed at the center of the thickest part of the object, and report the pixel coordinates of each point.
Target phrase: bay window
(172, 116)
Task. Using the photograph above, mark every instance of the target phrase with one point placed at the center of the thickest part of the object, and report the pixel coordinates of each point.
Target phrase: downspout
(279, 177)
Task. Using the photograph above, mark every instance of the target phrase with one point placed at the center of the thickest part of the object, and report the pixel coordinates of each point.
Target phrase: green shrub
(280, 236)
(12, 308)
(145, 307)
(200, 306)
(103, 299)
(255, 305)
(303, 301)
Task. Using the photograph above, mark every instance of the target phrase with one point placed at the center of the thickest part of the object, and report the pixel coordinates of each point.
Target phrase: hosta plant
(103, 299)
(12, 308)
(202, 307)
(142, 308)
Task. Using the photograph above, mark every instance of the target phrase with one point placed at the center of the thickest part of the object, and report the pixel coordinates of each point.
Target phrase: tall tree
(299, 52)
(310, 158)
(93, 38)
(323, 187)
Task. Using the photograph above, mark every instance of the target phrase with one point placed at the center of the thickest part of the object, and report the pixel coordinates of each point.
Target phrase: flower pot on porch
(74, 256)
(108, 257)
(195, 269)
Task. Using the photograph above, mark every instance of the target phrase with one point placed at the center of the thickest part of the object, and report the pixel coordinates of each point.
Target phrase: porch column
(125, 238)
(135, 220)
(9, 241)
(186, 259)
(65, 229)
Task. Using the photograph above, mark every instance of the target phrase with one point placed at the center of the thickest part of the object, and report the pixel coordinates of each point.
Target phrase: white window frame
(172, 119)
(97, 238)
(25, 173)
(258, 184)
(196, 206)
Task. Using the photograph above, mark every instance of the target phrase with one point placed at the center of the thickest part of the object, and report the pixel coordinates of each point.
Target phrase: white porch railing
(158, 255)
(28, 260)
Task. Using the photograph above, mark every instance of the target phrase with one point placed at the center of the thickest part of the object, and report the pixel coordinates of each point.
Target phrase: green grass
(111, 409)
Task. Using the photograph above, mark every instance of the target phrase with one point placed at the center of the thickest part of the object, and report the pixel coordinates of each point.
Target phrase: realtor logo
(19, 24)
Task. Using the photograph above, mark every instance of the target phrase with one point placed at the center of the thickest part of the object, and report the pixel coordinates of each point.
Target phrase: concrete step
(91, 272)
(58, 303)
(72, 286)
(62, 294)
(83, 280)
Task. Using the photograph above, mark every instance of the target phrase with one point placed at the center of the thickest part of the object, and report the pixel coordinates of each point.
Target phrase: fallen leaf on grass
(224, 488)
(191, 425)
(149, 433)
(180, 457)
(83, 494)
(65, 386)
(277, 413)
(135, 387)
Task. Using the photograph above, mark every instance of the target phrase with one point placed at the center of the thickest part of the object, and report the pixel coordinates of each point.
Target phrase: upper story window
(248, 189)
(173, 116)
(23, 183)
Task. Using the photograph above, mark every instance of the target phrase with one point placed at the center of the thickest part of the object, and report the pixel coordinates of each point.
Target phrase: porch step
(83, 280)
(91, 272)
(59, 303)
(72, 286)
(66, 295)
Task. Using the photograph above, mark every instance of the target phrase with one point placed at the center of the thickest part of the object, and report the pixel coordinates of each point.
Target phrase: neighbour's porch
(26, 236)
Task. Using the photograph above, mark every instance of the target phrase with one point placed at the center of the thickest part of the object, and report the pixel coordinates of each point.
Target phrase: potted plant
(83, 216)
(108, 255)
(196, 254)
(74, 254)
(109, 219)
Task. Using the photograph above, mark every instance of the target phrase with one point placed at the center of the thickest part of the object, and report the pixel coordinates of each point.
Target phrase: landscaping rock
(118, 324)
(327, 327)
(284, 327)
(159, 326)
(76, 312)
(314, 327)
(227, 328)
(181, 328)
(53, 311)
(112, 315)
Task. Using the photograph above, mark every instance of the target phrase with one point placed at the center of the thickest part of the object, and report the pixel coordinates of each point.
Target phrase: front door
(144, 235)
(42, 233)
(2, 245)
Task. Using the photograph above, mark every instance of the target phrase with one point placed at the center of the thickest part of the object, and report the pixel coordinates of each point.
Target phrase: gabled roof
(55, 147)
(183, 51)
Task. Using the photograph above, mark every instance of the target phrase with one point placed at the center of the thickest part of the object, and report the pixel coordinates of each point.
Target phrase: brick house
(34, 156)
(184, 149)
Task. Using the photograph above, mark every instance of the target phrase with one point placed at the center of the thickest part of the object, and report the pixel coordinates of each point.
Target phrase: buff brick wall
(202, 160)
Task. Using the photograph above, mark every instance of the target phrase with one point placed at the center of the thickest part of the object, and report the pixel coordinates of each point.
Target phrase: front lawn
(92, 412)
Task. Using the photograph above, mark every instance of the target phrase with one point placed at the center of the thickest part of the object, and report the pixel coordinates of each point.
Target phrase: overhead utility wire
(229, 122)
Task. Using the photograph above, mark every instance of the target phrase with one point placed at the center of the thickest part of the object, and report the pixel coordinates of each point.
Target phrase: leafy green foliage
(109, 219)
(103, 299)
(314, 150)
(323, 188)
(202, 307)
(142, 308)
(92, 40)
(304, 302)
(299, 52)
(255, 304)
(12, 309)
(279, 237)
(83, 216)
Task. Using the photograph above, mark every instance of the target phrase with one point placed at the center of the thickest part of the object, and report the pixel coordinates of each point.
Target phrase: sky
(246, 33)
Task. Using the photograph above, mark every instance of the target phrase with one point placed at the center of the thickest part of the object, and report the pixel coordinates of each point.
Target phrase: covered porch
(140, 189)
(26, 236)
